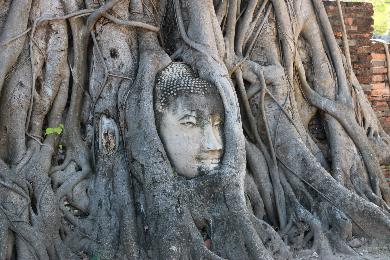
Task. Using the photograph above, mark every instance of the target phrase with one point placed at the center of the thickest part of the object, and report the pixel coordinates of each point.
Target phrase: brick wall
(378, 91)
(368, 62)
(368, 59)
(358, 22)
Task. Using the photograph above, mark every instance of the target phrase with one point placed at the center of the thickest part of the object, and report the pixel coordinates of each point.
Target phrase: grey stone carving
(189, 119)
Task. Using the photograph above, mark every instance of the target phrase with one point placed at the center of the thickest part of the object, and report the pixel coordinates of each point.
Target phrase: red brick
(386, 124)
(381, 104)
(359, 4)
(378, 70)
(378, 98)
(333, 3)
(378, 47)
(353, 49)
(368, 5)
(378, 63)
(378, 85)
(365, 42)
(336, 28)
(365, 49)
(363, 58)
(362, 65)
(379, 112)
(326, 4)
(368, 12)
(364, 79)
(331, 10)
(354, 58)
(363, 72)
(362, 21)
(368, 93)
(359, 35)
(360, 71)
(364, 29)
(351, 28)
(378, 108)
(337, 34)
(377, 77)
(348, 21)
(380, 92)
(376, 56)
(354, 11)
(386, 112)
(335, 20)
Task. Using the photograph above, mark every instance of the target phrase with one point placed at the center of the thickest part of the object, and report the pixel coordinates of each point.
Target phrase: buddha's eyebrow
(187, 116)
(191, 113)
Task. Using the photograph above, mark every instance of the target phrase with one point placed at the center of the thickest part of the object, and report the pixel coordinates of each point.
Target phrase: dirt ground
(366, 250)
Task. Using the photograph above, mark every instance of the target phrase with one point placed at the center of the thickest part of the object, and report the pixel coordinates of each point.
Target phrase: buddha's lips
(210, 161)
(211, 157)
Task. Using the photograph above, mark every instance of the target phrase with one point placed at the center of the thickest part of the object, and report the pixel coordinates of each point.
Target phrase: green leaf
(173, 169)
(95, 258)
(58, 130)
(49, 131)
(62, 126)
(388, 167)
(60, 146)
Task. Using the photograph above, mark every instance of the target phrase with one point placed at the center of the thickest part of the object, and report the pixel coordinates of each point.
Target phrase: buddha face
(191, 129)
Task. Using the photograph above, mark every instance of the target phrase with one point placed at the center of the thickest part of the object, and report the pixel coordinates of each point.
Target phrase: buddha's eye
(188, 123)
(189, 120)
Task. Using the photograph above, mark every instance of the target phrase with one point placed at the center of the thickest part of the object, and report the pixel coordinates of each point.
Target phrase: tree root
(257, 164)
(219, 215)
(279, 196)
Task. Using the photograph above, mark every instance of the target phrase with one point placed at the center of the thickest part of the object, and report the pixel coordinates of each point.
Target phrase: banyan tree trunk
(84, 172)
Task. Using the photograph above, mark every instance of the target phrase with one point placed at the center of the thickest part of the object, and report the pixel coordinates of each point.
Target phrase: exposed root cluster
(105, 182)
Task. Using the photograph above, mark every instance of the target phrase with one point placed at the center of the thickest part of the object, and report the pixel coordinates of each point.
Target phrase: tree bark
(84, 172)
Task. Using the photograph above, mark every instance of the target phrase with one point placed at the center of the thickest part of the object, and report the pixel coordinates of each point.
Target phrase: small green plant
(388, 166)
(57, 130)
(60, 146)
(173, 169)
(99, 255)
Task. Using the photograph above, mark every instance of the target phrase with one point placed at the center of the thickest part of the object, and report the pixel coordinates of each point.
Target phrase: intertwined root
(52, 211)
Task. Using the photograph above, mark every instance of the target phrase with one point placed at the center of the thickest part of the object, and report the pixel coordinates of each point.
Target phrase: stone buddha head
(189, 119)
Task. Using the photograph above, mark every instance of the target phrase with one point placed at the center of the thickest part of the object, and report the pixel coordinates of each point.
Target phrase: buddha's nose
(211, 139)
